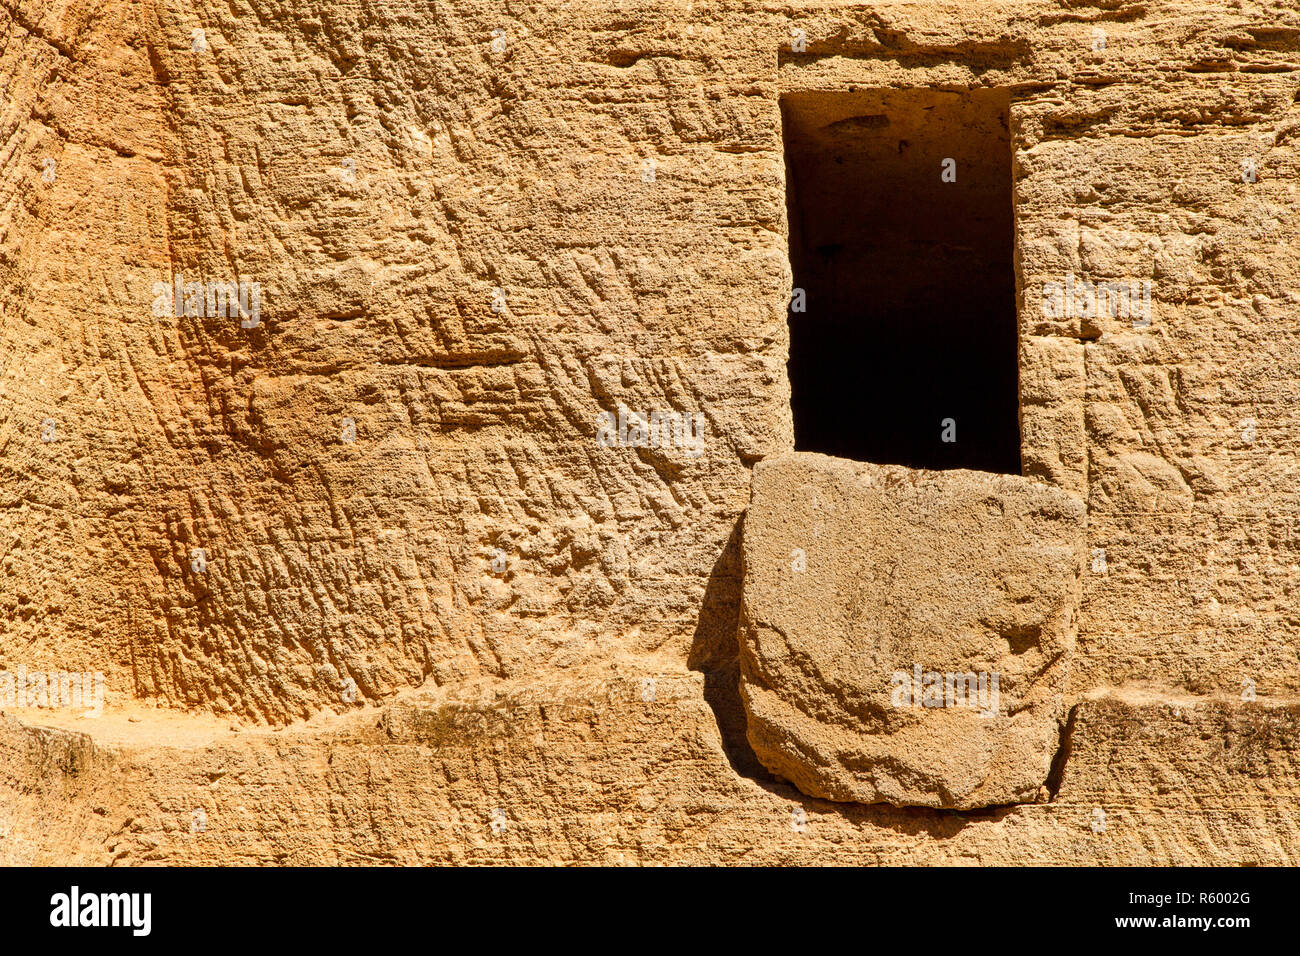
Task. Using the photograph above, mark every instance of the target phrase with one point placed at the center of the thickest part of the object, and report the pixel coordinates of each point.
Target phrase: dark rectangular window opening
(908, 331)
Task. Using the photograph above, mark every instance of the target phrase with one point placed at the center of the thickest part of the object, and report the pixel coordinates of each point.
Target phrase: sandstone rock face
(906, 636)
(363, 573)
(585, 770)
(396, 474)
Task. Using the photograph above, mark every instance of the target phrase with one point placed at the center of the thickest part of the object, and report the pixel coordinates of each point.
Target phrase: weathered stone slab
(906, 635)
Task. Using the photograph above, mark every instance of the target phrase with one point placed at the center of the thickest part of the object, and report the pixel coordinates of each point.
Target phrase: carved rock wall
(477, 229)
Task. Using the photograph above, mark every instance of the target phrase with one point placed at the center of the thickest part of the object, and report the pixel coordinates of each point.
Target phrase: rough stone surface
(585, 771)
(865, 586)
(381, 169)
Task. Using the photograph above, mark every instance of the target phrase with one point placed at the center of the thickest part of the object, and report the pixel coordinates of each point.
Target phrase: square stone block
(906, 635)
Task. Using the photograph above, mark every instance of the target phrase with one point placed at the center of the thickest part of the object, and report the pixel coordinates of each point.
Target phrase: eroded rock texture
(906, 636)
(586, 771)
(461, 258)
(476, 230)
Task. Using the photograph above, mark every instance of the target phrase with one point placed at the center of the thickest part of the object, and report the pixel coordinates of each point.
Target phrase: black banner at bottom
(343, 908)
